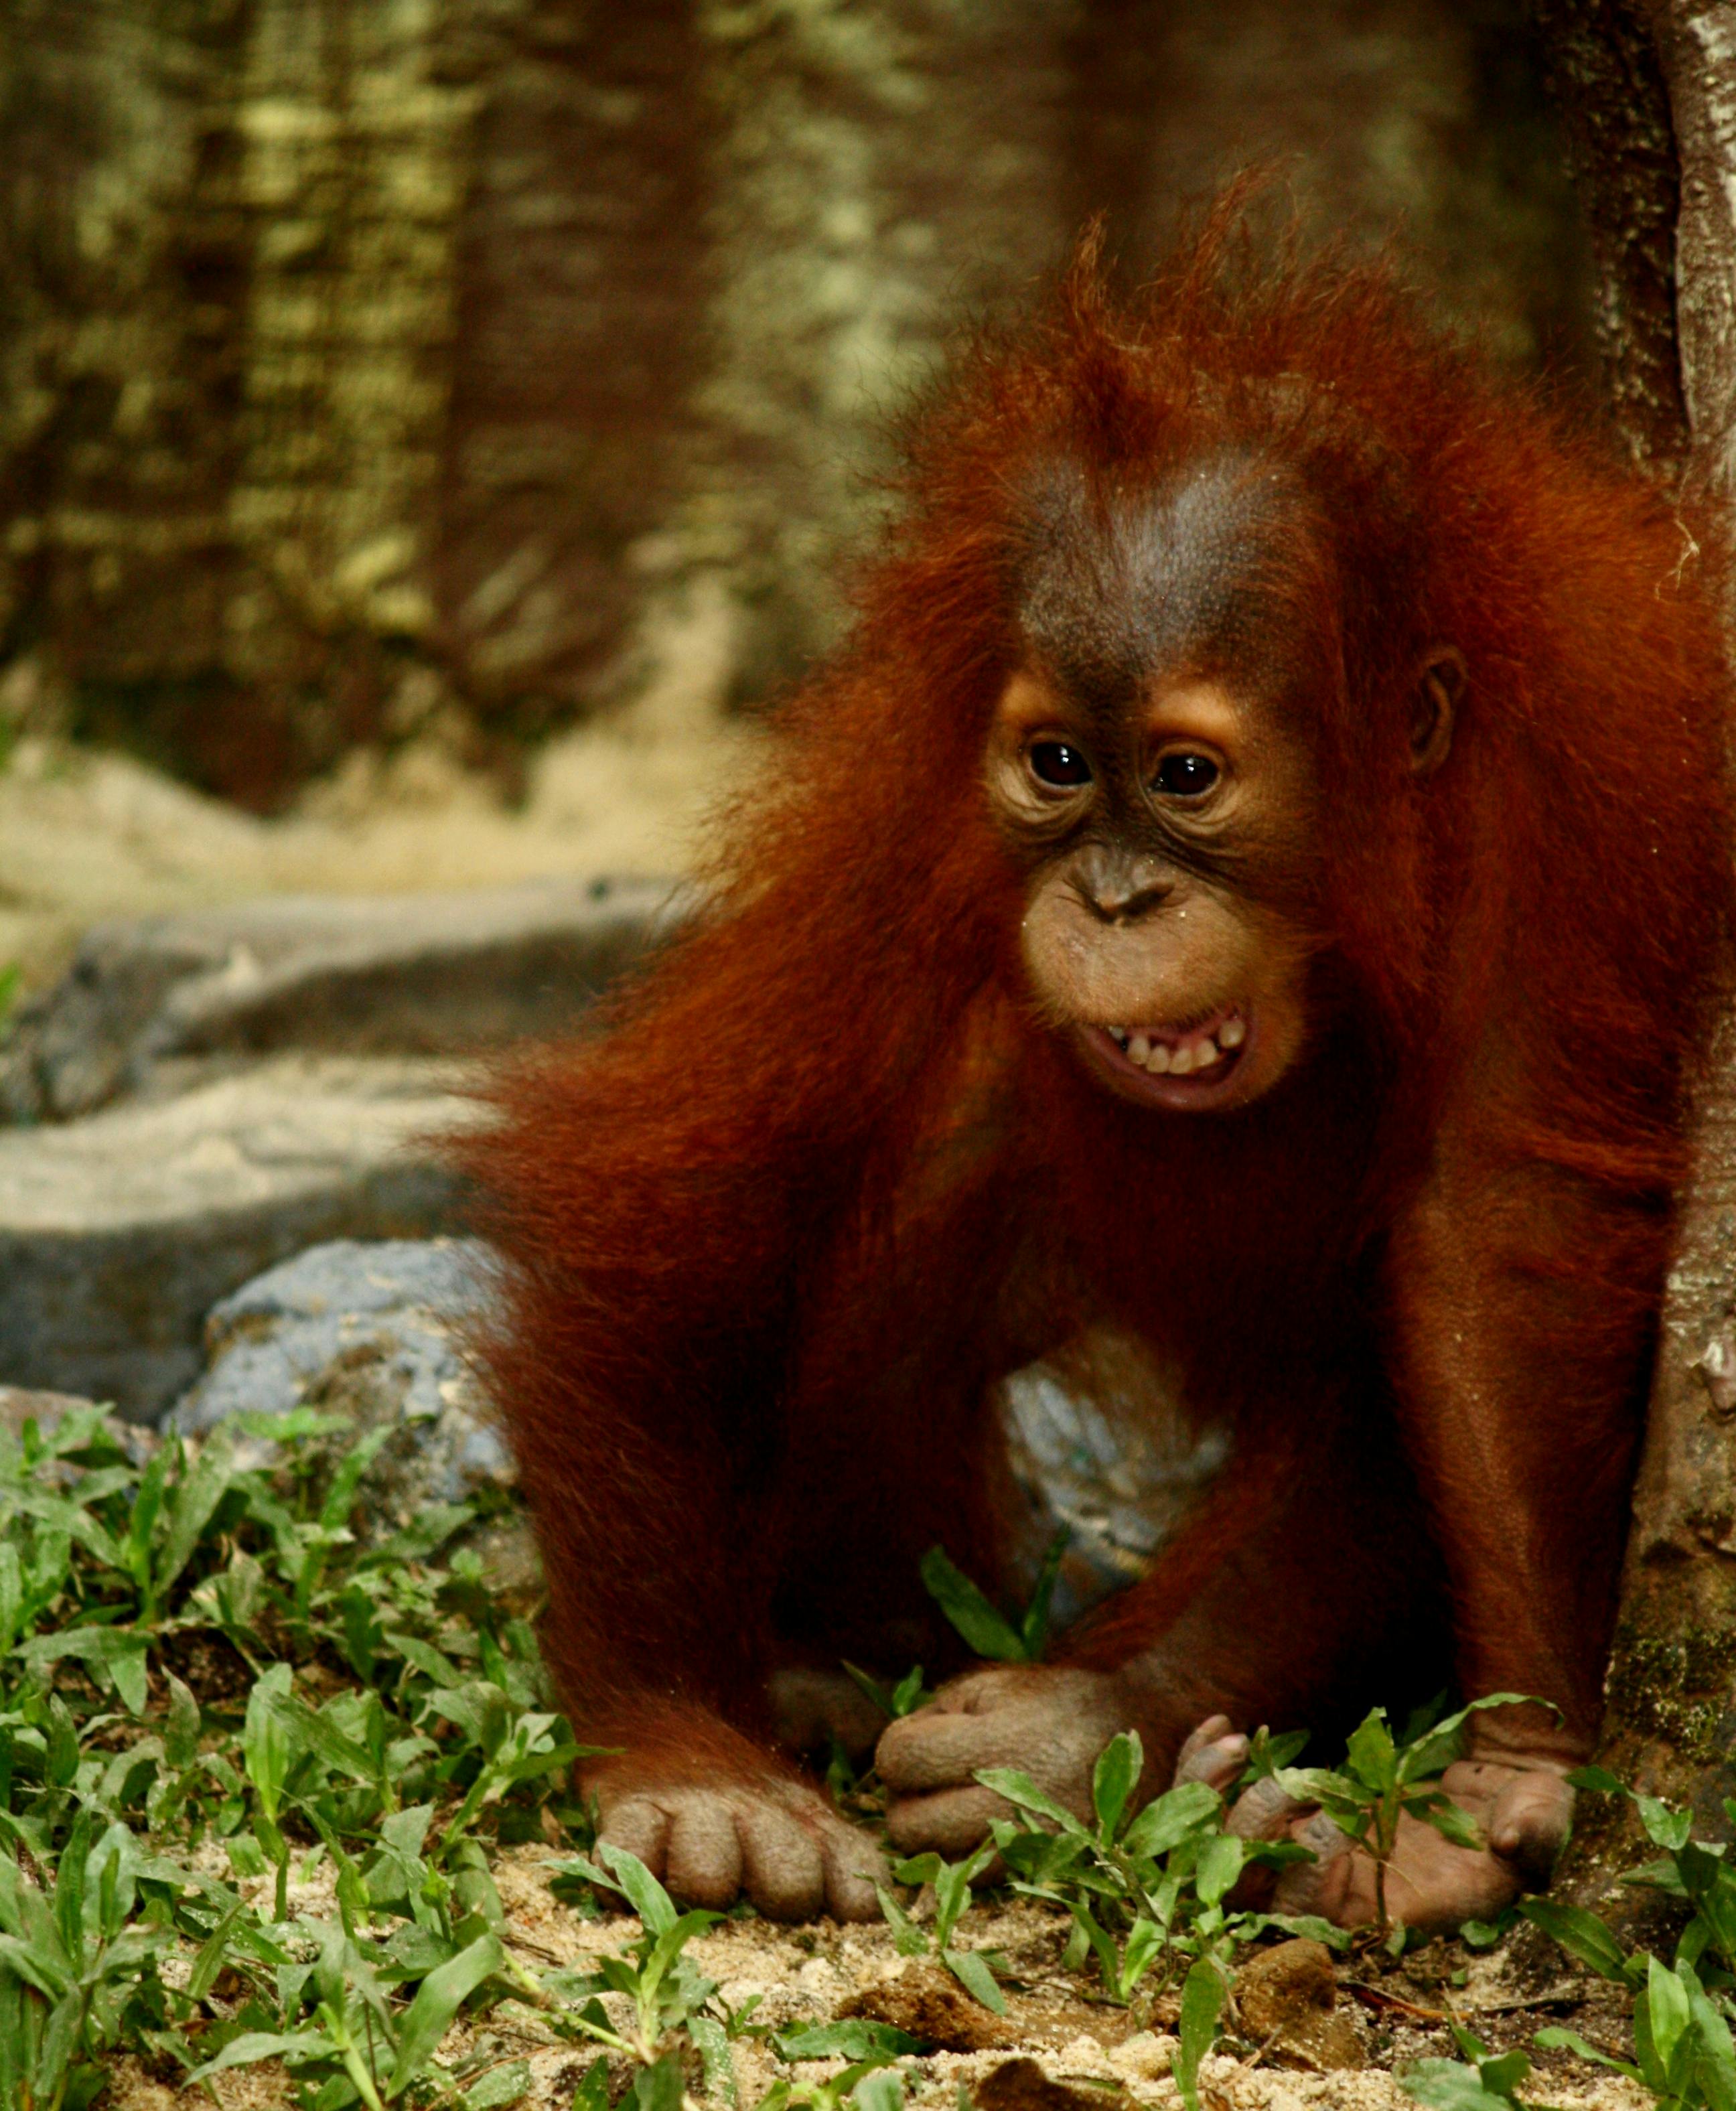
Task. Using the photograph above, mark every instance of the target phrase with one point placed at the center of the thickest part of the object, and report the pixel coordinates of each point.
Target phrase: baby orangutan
(1243, 906)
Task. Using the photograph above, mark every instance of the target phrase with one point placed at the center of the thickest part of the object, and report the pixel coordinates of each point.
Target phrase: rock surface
(1287, 1999)
(119, 1233)
(367, 1328)
(207, 1093)
(371, 1331)
(149, 1007)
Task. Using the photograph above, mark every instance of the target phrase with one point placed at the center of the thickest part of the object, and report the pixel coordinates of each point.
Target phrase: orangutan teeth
(1182, 1054)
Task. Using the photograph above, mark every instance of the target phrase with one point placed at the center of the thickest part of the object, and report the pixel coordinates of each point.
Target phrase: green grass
(219, 1697)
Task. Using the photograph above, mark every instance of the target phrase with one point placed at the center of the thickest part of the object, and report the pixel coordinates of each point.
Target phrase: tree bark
(1669, 325)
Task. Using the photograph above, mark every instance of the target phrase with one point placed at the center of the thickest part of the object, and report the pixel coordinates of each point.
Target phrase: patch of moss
(1676, 1689)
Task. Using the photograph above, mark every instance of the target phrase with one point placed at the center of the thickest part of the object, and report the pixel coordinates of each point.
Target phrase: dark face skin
(1156, 781)
(1152, 767)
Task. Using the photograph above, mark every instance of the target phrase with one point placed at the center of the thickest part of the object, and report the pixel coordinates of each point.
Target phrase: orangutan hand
(1521, 1803)
(1049, 1722)
(777, 1843)
(810, 1708)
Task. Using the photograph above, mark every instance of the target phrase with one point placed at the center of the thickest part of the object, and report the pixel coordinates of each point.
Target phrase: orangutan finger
(952, 1822)
(702, 1862)
(639, 1827)
(782, 1870)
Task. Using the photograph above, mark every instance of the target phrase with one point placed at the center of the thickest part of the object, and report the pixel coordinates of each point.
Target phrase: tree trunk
(1653, 106)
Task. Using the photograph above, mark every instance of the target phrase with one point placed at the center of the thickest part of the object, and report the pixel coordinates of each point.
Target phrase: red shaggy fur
(771, 1237)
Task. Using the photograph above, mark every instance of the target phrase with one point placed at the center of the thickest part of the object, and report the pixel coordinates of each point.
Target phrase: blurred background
(432, 430)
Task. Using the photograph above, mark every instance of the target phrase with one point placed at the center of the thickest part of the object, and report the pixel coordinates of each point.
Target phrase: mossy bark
(1669, 318)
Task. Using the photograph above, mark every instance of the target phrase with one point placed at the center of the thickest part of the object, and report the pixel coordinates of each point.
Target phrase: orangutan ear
(1440, 688)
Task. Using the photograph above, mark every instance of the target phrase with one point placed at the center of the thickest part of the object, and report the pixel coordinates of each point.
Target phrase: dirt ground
(1088, 2056)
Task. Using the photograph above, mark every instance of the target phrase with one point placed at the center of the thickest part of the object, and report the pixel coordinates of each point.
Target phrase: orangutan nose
(1120, 888)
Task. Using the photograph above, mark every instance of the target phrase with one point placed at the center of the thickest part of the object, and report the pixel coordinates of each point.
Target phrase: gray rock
(372, 1331)
(151, 1007)
(119, 1233)
(367, 1328)
(1114, 1476)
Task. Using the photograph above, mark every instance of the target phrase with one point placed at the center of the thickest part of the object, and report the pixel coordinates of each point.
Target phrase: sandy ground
(87, 836)
(1089, 2053)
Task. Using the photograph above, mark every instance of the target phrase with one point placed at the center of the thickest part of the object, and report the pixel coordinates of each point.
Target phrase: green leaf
(115, 1655)
(1558, 2037)
(213, 1954)
(340, 1496)
(668, 1948)
(426, 1530)
(438, 2000)
(38, 1966)
(657, 2088)
(1020, 1791)
(908, 1693)
(1503, 2074)
(1452, 1824)
(254, 2046)
(855, 2038)
(268, 1748)
(1667, 2008)
(647, 1897)
(193, 1506)
(1034, 1629)
(1220, 1862)
(1144, 1946)
(1100, 1941)
(500, 2084)
(1168, 1819)
(1581, 1934)
(422, 1656)
(879, 2092)
(907, 1939)
(1444, 2085)
(716, 2059)
(1203, 1992)
(1113, 1779)
(480, 1708)
(181, 1729)
(953, 1881)
(11, 1597)
(1606, 1783)
(1665, 1826)
(970, 1969)
(988, 1632)
(871, 1688)
(593, 2092)
(1370, 1755)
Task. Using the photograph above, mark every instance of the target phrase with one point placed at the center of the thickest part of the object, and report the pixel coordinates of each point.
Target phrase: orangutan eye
(1186, 776)
(1058, 764)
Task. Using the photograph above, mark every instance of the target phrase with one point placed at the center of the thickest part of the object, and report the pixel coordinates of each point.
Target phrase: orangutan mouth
(1164, 1051)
